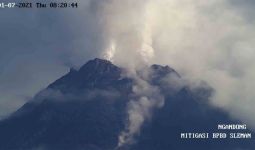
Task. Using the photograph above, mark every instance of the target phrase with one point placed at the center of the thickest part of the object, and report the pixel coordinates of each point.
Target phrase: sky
(209, 40)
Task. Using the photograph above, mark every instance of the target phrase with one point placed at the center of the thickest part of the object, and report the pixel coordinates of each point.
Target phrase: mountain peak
(99, 60)
(95, 73)
(163, 70)
(99, 65)
(89, 109)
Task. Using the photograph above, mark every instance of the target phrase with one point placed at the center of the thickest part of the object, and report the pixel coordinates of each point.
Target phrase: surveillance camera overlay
(127, 75)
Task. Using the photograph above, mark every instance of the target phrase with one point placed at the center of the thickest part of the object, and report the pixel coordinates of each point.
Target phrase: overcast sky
(38, 47)
(209, 40)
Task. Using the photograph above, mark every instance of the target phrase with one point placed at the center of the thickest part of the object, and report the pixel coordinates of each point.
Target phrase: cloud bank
(204, 40)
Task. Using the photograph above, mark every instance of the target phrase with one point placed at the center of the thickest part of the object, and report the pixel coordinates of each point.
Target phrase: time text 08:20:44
(39, 5)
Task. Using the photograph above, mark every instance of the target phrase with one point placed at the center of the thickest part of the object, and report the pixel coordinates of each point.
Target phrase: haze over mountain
(211, 40)
(104, 107)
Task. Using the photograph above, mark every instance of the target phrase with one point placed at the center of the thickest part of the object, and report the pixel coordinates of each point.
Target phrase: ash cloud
(209, 40)
(144, 100)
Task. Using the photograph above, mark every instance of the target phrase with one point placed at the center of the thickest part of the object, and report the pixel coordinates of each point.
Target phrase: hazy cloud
(39, 45)
(204, 40)
(144, 100)
(209, 40)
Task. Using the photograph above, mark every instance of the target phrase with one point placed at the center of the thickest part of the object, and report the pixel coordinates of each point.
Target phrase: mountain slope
(87, 110)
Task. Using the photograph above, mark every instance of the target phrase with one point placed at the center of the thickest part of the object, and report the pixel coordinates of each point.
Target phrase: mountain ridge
(87, 109)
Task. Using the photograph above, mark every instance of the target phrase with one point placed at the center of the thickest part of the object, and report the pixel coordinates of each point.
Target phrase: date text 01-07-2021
(39, 5)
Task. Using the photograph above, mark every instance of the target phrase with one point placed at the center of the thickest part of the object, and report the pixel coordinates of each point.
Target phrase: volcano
(86, 109)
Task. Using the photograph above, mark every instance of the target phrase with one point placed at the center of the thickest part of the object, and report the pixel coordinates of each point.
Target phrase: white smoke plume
(133, 46)
(209, 40)
(110, 51)
(140, 108)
